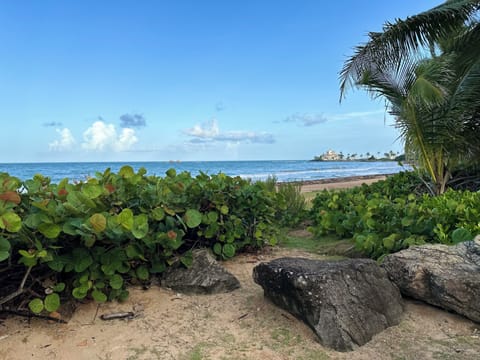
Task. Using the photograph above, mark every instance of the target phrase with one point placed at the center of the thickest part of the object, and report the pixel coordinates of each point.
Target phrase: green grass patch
(325, 245)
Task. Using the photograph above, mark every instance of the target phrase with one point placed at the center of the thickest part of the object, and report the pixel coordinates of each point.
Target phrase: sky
(187, 80)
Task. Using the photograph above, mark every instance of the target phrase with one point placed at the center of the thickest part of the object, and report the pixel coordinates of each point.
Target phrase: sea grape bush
(382, 222)
(99, 234)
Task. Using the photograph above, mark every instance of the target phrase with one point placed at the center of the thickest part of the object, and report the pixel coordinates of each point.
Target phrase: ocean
(283, 170)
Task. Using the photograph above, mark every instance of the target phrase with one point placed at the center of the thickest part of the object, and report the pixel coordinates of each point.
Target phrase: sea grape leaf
(28, 259)
(125, 218)
(171, 173)
(132, 251)
(11, 222)
(217, 248)
(36, 305)
(35, 219)
(82, 259)
(212, 217)
(4, 249)
(72, 226)
(126, 172)
(59, 287)
(460, 235)
(158, 213)
(99, 296)
(98, 222)
(50, 231)
(11, 196)
(142, 272)
(187, 259)
(80, 292)
(140, 226)
(229, 250)
(92, 191)
(157, 267)
(193, 218)
(116, 281)
(224, 209)
(52, 302)
(389, 241)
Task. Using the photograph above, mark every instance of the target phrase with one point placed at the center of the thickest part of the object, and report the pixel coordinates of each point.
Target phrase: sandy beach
(339, 183)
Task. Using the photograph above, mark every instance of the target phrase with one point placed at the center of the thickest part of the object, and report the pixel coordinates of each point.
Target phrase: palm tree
(427, 67)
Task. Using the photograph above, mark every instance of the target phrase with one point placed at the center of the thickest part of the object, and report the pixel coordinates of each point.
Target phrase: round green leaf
(217, 248)
(461, 235)
(80, 292)
(11, 222)
(125, 218)
(36, 305)
(59, 287)
(126, 172)
(4, 255)
(99, 296)
(116, 281)
(224, 209)
(228, 250)
(98, 222)
(52, 302)
(142, 272)
(140, 226)
(82, 262)
(171, 173)
(50, 231)
(92, 191)
(193, 218)
(158, 213)
(132, 251)
(4, 249)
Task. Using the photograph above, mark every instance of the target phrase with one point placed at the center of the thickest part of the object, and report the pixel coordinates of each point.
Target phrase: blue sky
(187, 80)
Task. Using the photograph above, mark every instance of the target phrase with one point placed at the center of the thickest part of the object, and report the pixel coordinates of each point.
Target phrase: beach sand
(339, 183)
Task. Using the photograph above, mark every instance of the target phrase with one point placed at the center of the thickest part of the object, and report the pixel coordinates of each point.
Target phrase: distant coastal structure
(329, 155)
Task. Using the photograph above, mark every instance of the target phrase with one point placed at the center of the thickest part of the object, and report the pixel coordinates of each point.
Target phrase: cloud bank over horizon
(98, 137)
(210, 132)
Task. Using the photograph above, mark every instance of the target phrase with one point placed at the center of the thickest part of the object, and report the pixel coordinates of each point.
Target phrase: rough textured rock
(445, 276)
(345, 302)
(205, 276)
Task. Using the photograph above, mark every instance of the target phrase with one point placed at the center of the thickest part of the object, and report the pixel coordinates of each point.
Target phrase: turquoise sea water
(283, 170)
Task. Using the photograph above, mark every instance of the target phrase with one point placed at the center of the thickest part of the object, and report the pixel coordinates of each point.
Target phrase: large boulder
(345, 302)
(441, 275)
(204, 276)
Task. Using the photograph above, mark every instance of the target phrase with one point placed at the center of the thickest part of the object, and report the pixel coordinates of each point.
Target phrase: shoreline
(337, 183)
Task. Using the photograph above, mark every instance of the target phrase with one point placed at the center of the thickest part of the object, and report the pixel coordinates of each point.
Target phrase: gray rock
(444, 276)
(205, 276)
(345, 302)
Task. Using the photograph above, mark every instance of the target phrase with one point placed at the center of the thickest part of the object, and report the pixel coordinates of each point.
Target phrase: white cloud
(126, 140)
(210, 132)
(306, 119)
(101, 137)
(205, 131)
(65, 142)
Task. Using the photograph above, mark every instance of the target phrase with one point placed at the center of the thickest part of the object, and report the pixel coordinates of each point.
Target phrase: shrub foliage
(96, 235)
(386, 217)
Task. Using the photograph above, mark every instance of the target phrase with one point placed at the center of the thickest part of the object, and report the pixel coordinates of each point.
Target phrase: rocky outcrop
(441, 275)
(345, 302)
(204, 276)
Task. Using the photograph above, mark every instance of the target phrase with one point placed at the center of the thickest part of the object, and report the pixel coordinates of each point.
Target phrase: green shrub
(116, 227)
(294, 210)
(385, 218)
